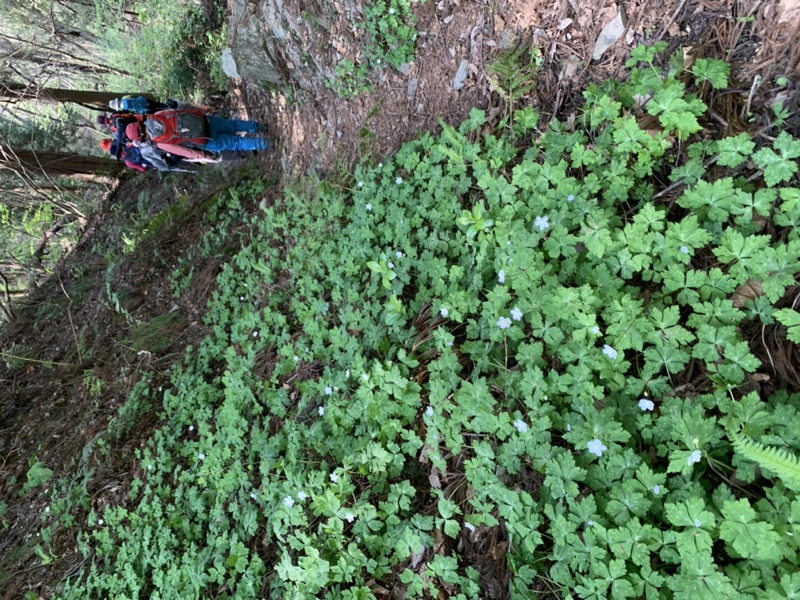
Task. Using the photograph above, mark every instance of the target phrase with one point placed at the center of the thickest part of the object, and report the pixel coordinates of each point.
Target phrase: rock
(505, 40)
(613, 30)
(412, 87)
(229, 64)
(461, 75)
(248, 56)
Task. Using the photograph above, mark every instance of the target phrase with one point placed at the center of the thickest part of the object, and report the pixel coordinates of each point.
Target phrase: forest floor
(108, 315)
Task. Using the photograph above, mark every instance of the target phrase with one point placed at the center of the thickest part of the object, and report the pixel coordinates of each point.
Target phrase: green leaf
(714, 71)
(779, 167)
(748, 537)
(734, 150)
(37, 475)
(790, 319)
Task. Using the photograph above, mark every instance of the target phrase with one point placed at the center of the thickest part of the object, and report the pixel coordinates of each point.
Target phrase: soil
(72, 333)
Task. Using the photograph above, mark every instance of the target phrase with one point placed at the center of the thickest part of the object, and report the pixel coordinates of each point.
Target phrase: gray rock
(461, 74)
(613, 30)
(412, 87)
(505, 40)
(249, 57)
(229, 64)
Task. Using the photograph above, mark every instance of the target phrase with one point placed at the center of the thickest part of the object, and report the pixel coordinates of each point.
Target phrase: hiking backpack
(180, 126)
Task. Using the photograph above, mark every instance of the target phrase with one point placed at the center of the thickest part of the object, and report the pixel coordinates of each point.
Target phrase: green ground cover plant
(479, 339)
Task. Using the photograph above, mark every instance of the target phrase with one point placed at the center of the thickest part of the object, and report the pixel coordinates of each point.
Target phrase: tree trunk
(11, 90)
(55, 164)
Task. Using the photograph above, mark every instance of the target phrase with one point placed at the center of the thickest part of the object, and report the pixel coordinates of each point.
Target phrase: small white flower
(391, 11)
(334, 477)
(521, 425)
(569, 427)
(541, 223)
(296, 358)
(698, 523)
(684, 249)
(347, 374)
(501, 276)
(150, 467)
(399, 180)
(449, 344)
(361, 184)
(301, 495)
(390, 264)
(380, 164)
(241, 298)
(469, 527)
(504, 322)
(321, 411)
(695, 457)
(570, 198)
(516, 313)
(609, 352)
(429, 411)
(288, 502)
(100, 521)
(365, 377)
(398, 254)
(349, 517)
(200, 456)
(656, 489)
(590, 523)
(47, 509)
(444, 312)
(368, 206)
(596, 447)
(379, 62)
(596, 330)
(253, 496)
(646, 404)
(255, 334)
(191, 427)
(328, 390)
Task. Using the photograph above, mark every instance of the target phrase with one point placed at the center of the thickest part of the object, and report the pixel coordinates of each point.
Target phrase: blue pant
(223, 139)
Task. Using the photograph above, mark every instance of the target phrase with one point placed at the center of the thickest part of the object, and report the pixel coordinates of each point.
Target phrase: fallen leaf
(750, 290)
(790, 11)
(564, 24)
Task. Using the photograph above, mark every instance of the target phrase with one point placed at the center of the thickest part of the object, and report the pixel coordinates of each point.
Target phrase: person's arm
(154, 157)
(133, 165)
(185, 152)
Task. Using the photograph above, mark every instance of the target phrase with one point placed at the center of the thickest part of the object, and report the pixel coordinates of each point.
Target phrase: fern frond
(777, 460)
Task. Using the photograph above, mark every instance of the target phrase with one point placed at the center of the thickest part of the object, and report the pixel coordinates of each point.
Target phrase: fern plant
(777, 460)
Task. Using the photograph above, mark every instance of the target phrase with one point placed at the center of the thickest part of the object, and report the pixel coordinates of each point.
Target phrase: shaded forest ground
(109, 315)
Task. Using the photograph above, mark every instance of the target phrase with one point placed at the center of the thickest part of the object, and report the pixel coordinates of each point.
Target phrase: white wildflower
(596, 330)
(391, 11)
(349, 517)
(368, 206)
(685, 249)
(504, 322)
(301, 495)
(399, 180)
(398, 254)
(47, 509)
(541, 223)
(516, 313)
(695, 457)
(334, 477)
(255, 334)
(590, 523)
(328, 390)
(521, 425)
(656, 489)
(100, 522)
(191, 427)
(390, 264)
(288, 502)
(296, 358)
(569, 427)
(347, 374)
(570, 198)
(200, 456)
(361, 184)
(609, 352)
(444, 312)
(646, 404)
(321, 411)
(596, 447)
(501, 276)
(698, 523)
(429, 411)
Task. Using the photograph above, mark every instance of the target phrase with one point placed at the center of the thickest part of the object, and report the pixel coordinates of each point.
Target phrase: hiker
(184, 131)
(144, 158)
(139, 104)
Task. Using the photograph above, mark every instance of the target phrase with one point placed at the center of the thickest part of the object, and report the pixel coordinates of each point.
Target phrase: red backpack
(177, 126)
